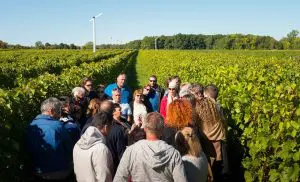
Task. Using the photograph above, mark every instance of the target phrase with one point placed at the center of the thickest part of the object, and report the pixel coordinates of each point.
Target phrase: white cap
(172, 84)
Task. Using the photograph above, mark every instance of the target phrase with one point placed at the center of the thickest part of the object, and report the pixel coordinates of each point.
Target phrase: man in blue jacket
(126, 95)
(49, 144)
(155, 94)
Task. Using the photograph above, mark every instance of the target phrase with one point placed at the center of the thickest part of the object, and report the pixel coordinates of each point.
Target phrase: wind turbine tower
(94, 30)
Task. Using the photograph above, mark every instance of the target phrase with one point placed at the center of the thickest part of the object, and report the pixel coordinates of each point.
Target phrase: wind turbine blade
(98, 15)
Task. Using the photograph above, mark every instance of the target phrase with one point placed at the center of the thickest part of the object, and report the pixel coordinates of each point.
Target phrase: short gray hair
(77, 90)
(154, 122)
(51, 103)
(185, 89)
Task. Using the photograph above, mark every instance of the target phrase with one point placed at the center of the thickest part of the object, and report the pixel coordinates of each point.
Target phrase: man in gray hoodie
(92, 159)
(151, 159)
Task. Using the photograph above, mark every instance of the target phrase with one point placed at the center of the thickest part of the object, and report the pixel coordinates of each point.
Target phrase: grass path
(140, 71)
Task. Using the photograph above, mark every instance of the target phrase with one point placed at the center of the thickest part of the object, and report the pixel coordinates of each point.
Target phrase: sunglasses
(152, 80)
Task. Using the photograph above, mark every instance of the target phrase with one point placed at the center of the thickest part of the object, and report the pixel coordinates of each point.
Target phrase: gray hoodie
(92, 159)
(151, 161)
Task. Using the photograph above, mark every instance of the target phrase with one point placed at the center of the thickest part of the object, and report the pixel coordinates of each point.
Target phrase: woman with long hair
(213, 134)
(92, 110)
(179, 115)
(194, 160)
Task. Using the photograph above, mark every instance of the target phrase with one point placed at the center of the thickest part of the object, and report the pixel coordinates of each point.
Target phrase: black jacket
(117, 140)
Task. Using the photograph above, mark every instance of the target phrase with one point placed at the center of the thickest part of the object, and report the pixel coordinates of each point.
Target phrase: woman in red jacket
(168, 98)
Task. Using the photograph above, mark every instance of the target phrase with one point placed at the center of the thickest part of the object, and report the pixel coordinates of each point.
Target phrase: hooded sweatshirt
(92, 159)
(151, 161)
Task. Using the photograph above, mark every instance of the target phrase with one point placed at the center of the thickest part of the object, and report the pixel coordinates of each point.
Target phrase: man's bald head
(107, 106)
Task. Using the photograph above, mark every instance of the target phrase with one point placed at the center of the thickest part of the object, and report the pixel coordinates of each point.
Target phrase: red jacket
(163, 106)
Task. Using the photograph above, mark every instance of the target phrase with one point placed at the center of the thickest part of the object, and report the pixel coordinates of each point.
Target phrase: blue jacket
(126, 95)
(49, 145)
(154, 99)
(72, 127)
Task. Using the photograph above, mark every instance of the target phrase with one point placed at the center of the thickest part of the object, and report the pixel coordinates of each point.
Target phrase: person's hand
(140, 121)
(133, 127)
(173, 98)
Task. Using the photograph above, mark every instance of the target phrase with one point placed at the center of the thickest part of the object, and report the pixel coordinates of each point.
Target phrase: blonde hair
(187, 142)
(138, 91)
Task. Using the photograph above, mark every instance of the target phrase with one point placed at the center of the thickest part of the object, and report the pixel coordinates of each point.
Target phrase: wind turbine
(94, 30)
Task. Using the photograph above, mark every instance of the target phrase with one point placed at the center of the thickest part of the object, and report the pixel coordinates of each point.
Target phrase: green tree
(39, 45)
(285, 43)
(291, 41)
(148, 43)
(136, 44)
(3, 45)
(292, 38)
(169, 42)
(73, 46)
(296, 43)
(47, 45)
(293, 34)
(88, 45)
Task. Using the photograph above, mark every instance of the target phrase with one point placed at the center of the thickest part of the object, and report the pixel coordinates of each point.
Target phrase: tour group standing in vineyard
(258, 122)
(113, 134)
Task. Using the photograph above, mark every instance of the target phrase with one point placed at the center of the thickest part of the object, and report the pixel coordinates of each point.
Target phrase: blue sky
(67, 21)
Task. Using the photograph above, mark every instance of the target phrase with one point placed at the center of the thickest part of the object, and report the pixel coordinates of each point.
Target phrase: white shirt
(139, 111)
(126, 110)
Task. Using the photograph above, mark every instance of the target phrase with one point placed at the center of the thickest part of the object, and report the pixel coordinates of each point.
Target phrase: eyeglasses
(152, 81)
(171, 88)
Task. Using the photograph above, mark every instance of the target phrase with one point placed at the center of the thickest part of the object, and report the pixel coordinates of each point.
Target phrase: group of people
(110, 134)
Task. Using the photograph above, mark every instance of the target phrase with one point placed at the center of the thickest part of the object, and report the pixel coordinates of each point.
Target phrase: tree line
(38, 45)
(231, 41)
(186, 41)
